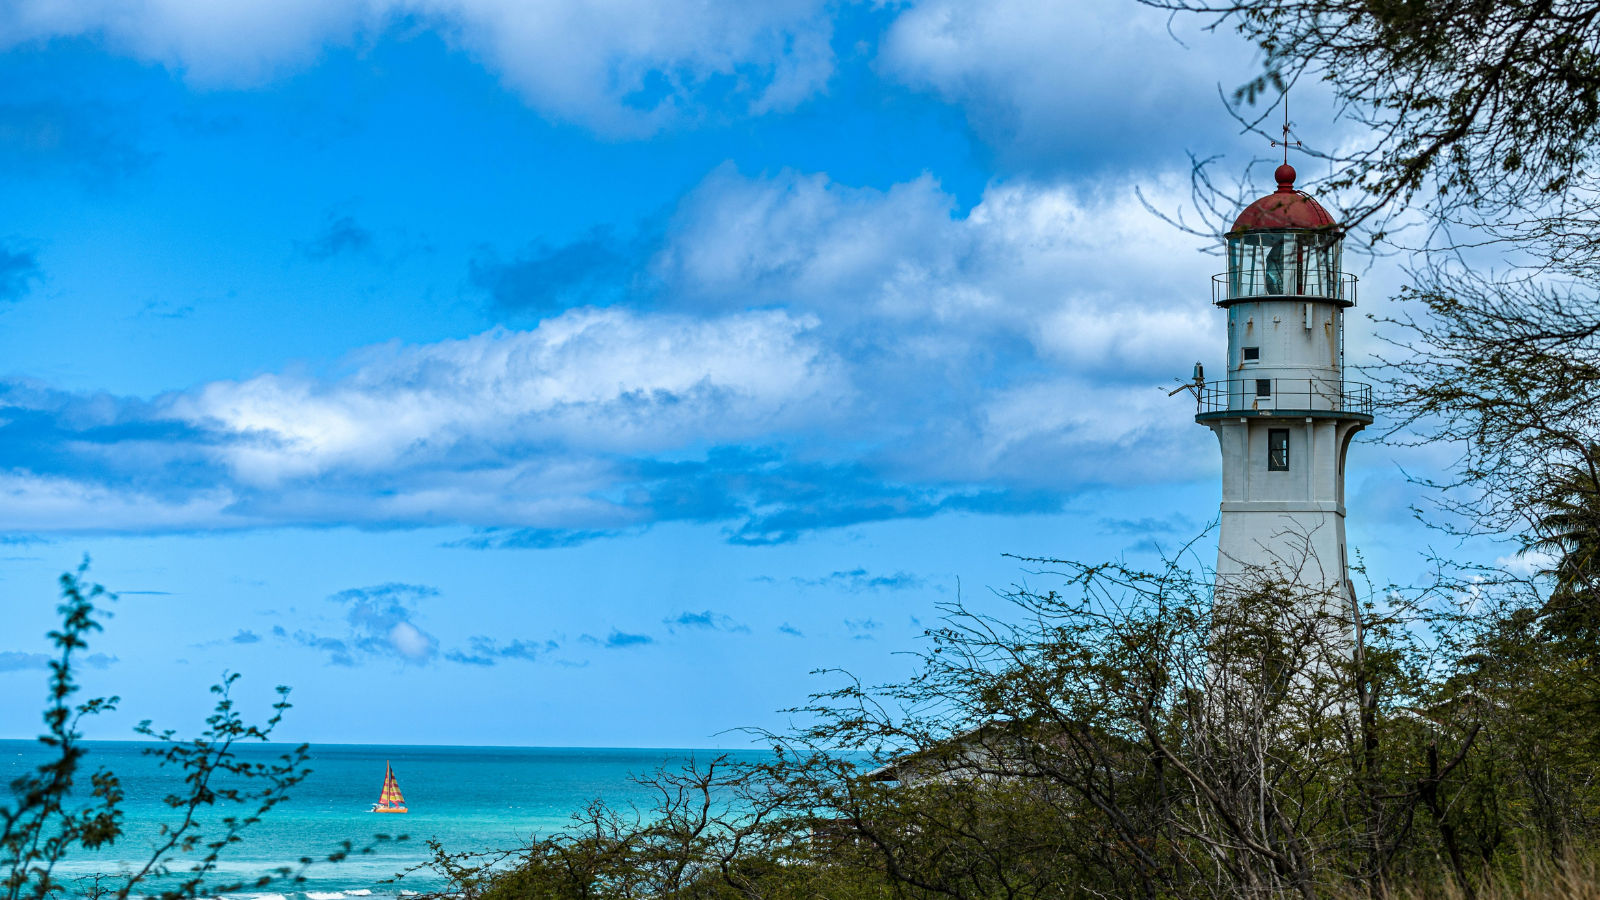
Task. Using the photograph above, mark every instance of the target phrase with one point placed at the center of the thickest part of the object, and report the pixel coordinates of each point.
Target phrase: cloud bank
(619, 67)
(795, 354)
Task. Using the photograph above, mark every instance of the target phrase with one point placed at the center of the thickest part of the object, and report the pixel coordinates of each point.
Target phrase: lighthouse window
(1277, 449)
(1274, 268)
(1263, 387)
(1252, 353)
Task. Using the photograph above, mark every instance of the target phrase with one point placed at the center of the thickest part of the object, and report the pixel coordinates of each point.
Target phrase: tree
(50, 816)
(1483, 111)
(1176, 746)
(1568, 529)
(717, 830)
(1507, 371)
(1124, 736)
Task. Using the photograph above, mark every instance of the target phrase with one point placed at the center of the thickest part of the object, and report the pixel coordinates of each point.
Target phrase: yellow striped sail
(390, 800)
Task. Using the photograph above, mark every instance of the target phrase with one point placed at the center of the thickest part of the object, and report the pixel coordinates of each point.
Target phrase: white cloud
(591, 380)
(801, 238)
(1089, 278)
(412, 643)
(45, 502)
(1040, 80)
(622, 67)
(1040, 321)
(239, 41)
(1099, 433)
(1527, 565)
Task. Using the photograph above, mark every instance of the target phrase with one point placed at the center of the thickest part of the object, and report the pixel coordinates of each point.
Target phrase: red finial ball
(1285, 176)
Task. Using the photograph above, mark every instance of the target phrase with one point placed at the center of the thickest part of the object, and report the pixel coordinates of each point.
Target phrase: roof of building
(1284, 208)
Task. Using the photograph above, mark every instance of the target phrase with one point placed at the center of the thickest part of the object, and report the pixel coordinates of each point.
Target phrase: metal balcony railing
(1268, 395)
(1229, 288)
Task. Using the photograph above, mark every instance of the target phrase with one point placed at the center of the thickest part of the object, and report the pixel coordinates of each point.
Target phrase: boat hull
(395, 809)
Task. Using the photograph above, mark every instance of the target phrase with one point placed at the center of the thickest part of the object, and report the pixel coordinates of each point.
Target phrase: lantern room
(1285, 245)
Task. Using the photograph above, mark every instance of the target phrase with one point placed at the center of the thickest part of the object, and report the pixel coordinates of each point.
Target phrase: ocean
(468, 798)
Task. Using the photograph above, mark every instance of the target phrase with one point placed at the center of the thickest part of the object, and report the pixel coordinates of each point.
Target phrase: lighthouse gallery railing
(1268, 395)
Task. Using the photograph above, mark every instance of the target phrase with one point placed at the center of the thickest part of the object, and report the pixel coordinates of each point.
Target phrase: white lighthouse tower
(1283, 412)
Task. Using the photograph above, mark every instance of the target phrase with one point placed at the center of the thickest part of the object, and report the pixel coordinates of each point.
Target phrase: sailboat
(390, 800)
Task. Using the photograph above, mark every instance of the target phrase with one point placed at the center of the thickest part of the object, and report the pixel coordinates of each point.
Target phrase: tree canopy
(1484, 111)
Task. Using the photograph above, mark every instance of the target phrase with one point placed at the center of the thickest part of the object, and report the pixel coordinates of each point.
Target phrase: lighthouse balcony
(1285, 397)
(1229, 288)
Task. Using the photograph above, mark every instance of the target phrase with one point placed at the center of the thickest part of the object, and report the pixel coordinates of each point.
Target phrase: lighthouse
(1283, 412)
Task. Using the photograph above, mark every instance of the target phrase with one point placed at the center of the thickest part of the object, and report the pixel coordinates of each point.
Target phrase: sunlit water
(468, 798)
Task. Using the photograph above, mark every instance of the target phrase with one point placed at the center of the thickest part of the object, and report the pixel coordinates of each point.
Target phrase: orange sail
(390, 800)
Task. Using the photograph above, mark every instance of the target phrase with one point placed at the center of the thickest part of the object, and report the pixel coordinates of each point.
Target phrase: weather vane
(1286, 143)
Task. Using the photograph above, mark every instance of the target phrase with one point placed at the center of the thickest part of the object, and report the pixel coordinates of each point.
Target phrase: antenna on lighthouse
(1196, 387)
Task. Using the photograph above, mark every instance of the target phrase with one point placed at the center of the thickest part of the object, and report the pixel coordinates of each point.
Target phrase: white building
(1283, 413)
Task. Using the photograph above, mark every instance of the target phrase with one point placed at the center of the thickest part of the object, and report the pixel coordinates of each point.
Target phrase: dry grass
(1538, 878)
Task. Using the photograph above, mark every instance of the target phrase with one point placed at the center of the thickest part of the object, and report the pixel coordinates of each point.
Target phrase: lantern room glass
(1284, 263)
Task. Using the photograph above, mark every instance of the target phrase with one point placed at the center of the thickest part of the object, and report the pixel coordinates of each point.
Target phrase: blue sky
(589, 374)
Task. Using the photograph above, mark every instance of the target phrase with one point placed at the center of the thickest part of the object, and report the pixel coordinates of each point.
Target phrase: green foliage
(1479, 110)
(1567, 528)
(49, 817)
(1130, 735)
(38, 828)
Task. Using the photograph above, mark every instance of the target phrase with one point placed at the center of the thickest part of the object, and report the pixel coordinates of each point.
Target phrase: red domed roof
(1284, 208)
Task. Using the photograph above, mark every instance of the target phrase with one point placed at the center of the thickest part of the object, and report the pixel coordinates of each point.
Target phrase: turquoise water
(469, 798)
